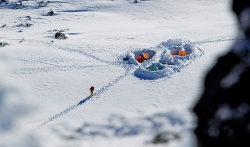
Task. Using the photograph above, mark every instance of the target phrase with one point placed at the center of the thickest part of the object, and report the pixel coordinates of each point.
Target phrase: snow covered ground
(126, 110)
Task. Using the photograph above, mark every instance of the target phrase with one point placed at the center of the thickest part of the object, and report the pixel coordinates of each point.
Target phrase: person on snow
(92, 88)
(166, 57)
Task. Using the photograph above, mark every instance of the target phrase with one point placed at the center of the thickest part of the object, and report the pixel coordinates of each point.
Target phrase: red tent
(140, 59)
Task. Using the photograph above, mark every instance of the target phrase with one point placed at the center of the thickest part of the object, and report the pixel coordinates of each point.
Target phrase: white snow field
(128, 109)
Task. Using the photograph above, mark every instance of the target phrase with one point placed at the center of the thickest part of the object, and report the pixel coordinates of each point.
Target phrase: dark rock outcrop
(3, 1)
(223, 111)
(3, 44)
(60, 35)
(165, 137)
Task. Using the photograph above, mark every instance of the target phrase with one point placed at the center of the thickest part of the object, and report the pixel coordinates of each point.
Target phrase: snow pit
(151, 53)
(143, 71)
(171, 60)
(172, 49)
(168, 57)
(177, 45)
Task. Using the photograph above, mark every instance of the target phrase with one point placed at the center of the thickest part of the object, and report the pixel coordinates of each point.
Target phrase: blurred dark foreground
(223, 110)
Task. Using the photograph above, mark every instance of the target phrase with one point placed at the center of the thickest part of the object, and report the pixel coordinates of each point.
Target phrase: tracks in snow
(98, 93)
(109, 85)
(64, 68)
(214, 41)
(86, 54)
(79, 51)
(56, 68)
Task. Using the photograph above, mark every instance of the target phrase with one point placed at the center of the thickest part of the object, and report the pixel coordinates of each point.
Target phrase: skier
(91, 90)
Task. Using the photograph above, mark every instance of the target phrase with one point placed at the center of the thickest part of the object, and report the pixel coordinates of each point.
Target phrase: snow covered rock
(4, 1)
(130, 58)
(166, 57)
(3, 44)
(60, 35)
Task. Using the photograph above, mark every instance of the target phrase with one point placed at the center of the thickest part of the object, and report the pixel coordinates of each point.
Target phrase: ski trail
(42, 62)
(212, 41)
(98, 93)
(82, 52)
(91, 56)
(53, 45)
(56, 68)
(70, 108)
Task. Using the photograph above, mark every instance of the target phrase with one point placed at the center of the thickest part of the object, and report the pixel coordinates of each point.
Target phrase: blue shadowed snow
(84, 100)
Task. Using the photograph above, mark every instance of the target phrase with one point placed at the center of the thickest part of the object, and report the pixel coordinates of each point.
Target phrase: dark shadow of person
(223, 110)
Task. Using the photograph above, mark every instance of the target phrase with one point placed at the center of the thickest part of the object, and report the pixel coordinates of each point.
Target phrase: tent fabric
(174, 54)
(153, 67)
(145, 53)
(140, 59)
(146, 56)
(182, 53)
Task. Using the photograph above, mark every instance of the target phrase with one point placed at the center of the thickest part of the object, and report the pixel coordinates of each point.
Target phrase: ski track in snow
(43, 62)
(87, 54)
(82, 52)
(56, 68)
(64, 68)
(214, 41)
(97, 94)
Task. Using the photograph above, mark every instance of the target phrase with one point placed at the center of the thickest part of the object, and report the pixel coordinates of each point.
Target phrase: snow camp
(163, 60)
(108, 73)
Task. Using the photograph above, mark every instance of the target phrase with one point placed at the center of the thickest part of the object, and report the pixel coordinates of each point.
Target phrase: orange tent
(182, 53)
(140, 59)
(146, 56)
